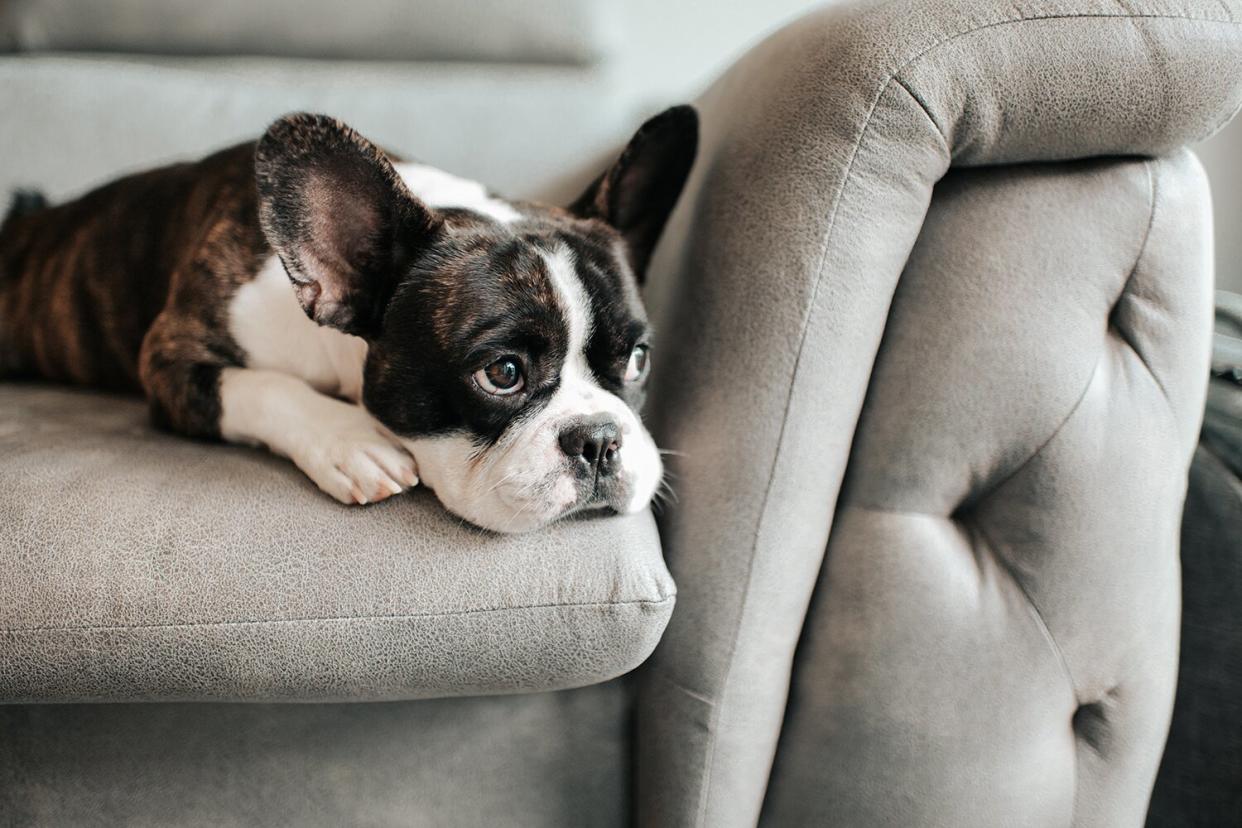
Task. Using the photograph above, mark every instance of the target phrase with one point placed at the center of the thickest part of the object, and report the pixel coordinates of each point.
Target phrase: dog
(379, 323)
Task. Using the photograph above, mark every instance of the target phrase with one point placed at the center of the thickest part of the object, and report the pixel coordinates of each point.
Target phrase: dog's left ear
(638, 192)
(339, 217)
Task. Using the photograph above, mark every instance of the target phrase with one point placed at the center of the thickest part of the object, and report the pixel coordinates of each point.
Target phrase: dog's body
(375, 322)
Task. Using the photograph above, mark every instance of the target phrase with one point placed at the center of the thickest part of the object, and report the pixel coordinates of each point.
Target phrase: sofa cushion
(533, 131)
(544, 31)
(143, 566)
(1200, 780)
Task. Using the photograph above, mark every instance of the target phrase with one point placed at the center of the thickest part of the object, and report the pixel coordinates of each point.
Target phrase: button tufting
(1091, 725)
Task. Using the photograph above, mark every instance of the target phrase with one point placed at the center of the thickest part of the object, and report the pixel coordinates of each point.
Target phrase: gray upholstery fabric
(527, 131)
(545, 31)
(551, 759)
(144, 566)
(770, 292)
(1000, 595)
(819, 154)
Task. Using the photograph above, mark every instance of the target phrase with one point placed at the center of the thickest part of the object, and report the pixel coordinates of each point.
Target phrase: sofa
(933, 320)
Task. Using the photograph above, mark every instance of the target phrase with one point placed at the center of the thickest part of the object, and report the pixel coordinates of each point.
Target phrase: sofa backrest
(533, 31)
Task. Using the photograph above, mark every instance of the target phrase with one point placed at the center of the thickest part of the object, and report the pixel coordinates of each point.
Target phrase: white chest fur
(266, 320)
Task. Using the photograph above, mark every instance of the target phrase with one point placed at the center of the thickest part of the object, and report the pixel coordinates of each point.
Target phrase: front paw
(359, 467)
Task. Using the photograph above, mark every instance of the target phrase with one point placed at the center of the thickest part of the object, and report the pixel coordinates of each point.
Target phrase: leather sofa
(935, 313)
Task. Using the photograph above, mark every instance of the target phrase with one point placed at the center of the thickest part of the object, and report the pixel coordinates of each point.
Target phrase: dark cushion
(1200, 781)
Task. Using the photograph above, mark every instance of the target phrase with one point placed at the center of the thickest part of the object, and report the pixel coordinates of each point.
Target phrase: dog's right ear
(339, 217)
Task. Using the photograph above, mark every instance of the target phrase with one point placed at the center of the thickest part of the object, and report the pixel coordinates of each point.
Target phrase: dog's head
(507, 343)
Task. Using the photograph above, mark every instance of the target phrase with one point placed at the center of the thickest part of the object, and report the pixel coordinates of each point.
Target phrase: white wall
(693, 41)
(1222, 157)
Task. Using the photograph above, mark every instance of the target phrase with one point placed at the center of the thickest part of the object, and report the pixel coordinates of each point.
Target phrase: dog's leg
(339, 446)
(180, 372)
(200, 390)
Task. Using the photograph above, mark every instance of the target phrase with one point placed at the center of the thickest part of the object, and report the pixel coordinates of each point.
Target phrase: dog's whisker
(666, 492)
(495, 485)
(516, 515)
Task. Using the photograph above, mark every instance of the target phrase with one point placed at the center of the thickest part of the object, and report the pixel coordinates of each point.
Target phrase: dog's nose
(595, 443)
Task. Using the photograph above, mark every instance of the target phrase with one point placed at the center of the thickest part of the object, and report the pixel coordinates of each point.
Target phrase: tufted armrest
(820, 152)
(138, 566)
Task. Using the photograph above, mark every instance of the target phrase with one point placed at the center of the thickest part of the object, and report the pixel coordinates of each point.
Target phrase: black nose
(595, 443)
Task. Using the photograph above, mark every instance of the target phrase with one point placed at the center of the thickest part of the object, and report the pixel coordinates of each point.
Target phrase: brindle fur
(127, 287)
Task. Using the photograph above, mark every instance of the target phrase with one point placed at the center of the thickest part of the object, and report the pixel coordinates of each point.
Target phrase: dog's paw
(357, 462)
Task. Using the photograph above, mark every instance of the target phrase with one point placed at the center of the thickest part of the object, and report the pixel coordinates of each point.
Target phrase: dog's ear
(339, 217)
(637, 193)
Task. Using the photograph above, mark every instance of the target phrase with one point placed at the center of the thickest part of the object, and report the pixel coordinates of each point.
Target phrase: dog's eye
(502, 377)
(636, 369)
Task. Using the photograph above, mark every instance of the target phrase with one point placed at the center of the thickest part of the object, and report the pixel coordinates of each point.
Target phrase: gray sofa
(935, 314)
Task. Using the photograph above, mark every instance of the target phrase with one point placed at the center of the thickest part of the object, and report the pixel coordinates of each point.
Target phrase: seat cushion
(143, 566)
(545, 31)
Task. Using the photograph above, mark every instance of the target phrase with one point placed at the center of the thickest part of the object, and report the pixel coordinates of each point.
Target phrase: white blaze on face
(525, 480)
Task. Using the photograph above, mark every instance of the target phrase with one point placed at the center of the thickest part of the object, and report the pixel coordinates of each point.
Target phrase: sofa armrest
(819, 154)
(139, 566)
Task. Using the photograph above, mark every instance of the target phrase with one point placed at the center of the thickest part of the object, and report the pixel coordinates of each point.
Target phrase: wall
(1222, 157)
(693, 41)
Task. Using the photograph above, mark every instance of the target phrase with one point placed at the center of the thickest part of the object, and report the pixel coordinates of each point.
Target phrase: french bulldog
(379, 323)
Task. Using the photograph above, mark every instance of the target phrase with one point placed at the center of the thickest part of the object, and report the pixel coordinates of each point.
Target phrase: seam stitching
(1056, 432)
(1153, 184)
(944, 140)
(1040, 621)
(345, 618)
